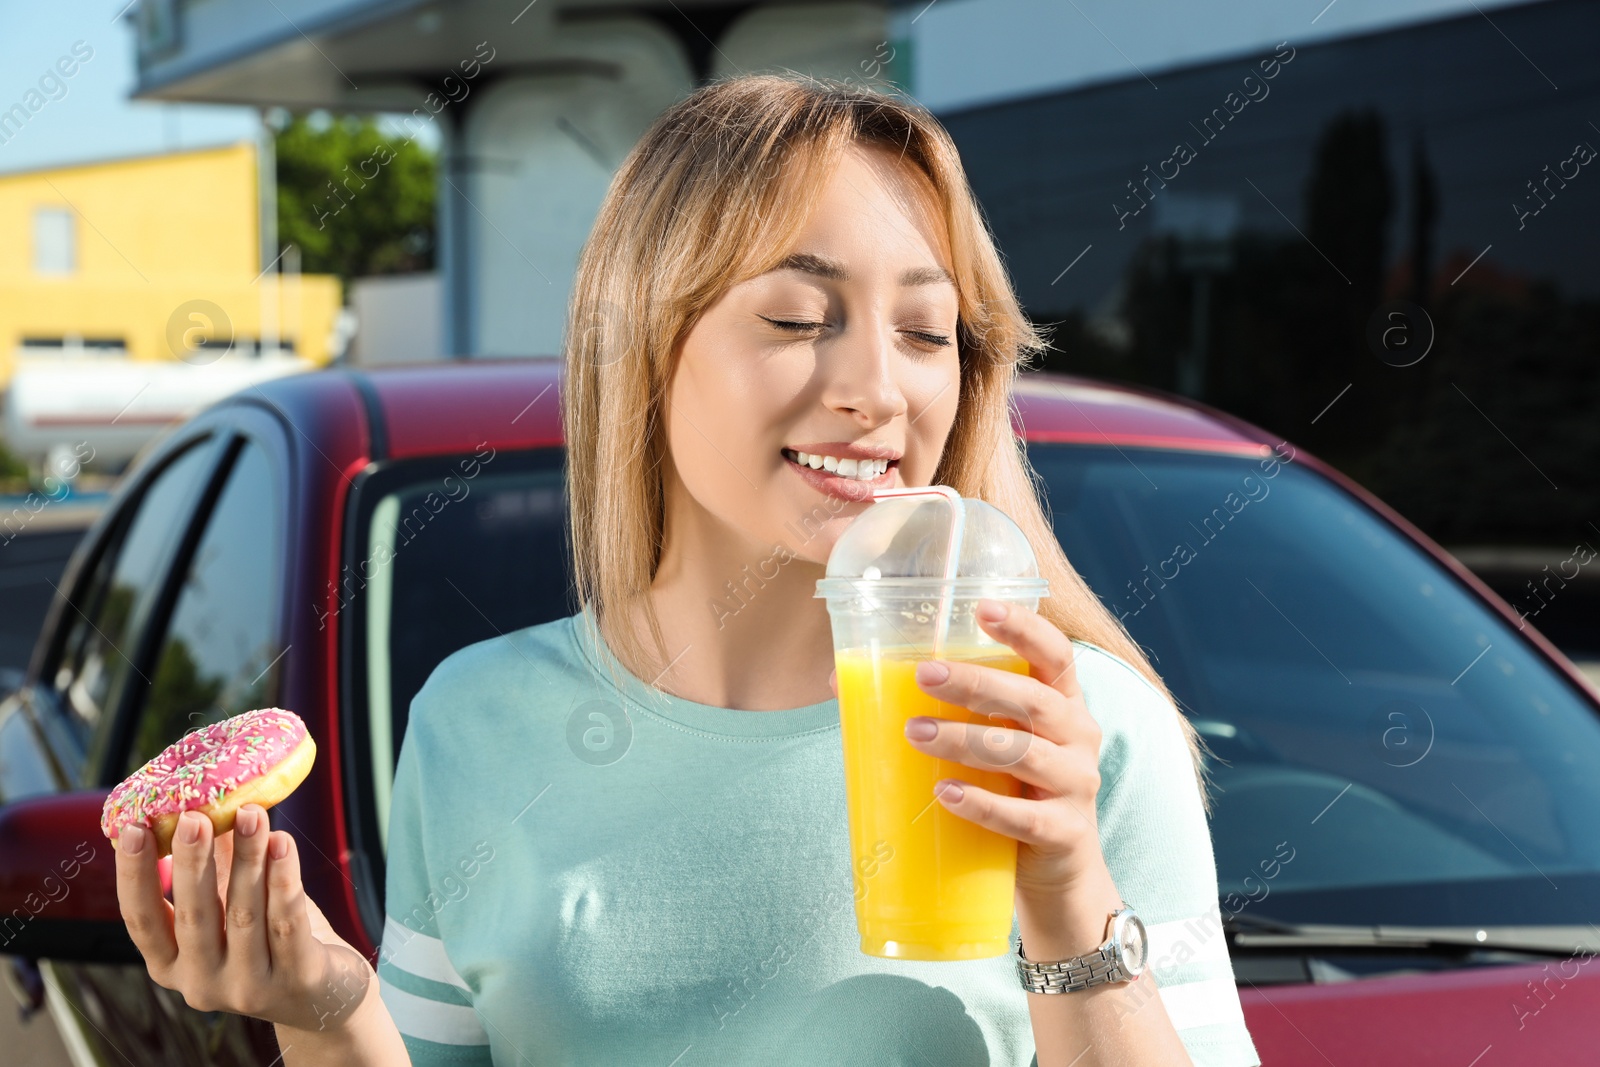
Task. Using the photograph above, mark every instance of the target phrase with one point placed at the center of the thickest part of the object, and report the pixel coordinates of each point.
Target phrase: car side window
(104, 621)
(449, 552)
(219, 655)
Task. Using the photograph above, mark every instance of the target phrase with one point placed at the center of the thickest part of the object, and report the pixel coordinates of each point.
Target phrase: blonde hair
(716, 191)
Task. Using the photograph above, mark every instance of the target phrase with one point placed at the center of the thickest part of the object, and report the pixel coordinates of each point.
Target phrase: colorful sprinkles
(202, 767)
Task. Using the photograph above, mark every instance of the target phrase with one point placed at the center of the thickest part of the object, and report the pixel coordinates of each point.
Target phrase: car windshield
(1389, 749)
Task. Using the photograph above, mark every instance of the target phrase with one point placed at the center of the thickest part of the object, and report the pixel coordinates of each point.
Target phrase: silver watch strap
(1069, 976)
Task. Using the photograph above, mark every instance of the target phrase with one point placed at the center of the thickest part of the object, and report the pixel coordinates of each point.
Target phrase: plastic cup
(929, 885)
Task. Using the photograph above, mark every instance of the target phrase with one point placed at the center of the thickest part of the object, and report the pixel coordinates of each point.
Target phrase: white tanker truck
(57, 410)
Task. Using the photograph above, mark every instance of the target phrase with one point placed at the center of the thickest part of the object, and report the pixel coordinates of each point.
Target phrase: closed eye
(788, 325)
(784, 324)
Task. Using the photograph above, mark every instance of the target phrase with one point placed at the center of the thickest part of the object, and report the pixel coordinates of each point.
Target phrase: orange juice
(930, 885)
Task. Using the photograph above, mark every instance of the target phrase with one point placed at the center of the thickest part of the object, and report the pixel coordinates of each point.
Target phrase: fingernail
(278, 848)
(992, 610)
(950, 792)
(132, 841)
(246, 822)
(921, 728)
(190, 826)
(932, 672)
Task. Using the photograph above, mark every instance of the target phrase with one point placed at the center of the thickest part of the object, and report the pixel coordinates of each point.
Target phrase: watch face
(1135, 945)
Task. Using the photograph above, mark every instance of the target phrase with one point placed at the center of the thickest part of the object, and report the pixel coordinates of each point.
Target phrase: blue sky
(94, 119)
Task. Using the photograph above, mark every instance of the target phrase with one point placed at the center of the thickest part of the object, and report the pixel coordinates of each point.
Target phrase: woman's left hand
(1041, 733)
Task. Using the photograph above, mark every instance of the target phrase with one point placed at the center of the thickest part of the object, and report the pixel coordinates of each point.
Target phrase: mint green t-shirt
(584, 870)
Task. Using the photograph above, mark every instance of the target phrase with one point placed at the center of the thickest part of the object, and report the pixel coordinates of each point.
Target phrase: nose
(860, 370)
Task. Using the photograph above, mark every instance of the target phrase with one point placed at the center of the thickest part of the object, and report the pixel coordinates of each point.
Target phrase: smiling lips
(848, 477)
(864, 469)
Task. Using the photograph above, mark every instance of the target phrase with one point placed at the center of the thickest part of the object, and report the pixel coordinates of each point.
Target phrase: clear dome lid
(908, 541)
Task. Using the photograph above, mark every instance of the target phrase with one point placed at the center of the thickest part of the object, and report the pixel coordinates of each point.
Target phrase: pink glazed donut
(257, 757)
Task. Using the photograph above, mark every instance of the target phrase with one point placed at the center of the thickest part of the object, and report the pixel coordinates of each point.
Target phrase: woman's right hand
(240, 935)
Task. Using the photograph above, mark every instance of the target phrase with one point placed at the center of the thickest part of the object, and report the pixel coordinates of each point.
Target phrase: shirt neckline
(707, 718)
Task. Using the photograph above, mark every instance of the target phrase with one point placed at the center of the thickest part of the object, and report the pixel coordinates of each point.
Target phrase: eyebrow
(832, 269)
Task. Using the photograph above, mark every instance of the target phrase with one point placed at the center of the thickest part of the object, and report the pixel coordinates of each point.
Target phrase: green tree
(354, 201)
(180, 697)
(13, 472)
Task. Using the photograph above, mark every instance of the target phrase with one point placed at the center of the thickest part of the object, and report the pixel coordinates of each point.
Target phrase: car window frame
(236, 426)
(371, 485)
(239, 437)
(77, 752)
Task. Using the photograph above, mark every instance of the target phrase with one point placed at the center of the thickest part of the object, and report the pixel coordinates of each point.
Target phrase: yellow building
(144, 257)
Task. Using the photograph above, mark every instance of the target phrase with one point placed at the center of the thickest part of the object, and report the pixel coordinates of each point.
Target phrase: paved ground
(30, 568)
(34, 1043)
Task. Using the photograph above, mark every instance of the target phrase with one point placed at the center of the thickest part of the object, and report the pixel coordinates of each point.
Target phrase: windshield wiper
(1257, 932)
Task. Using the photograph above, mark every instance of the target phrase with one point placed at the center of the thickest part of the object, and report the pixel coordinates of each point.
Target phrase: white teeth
(859, 469)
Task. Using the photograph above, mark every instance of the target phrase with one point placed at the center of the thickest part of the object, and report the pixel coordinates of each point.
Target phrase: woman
(620, 837)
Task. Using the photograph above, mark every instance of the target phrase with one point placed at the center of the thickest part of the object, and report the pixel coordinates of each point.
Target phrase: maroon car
(1406, 796)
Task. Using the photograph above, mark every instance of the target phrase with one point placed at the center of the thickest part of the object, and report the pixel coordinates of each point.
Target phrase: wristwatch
(1120, 959)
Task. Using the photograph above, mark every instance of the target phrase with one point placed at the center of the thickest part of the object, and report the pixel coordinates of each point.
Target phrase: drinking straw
(952, 558)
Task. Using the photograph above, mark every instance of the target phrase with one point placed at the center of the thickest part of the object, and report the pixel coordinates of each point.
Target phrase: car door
(84, 658)
(212, 650)
(473, 545)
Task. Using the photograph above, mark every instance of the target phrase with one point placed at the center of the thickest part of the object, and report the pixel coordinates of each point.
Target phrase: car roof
(1059, 407)
(441, 408)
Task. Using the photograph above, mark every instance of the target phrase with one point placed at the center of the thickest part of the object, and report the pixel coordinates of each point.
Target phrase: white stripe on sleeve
(1215, 1000)
(418, 954)
(446, 1024)
(1198, 939)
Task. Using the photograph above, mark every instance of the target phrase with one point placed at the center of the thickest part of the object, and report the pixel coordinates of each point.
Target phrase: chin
(811, 533)
(813, 553)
